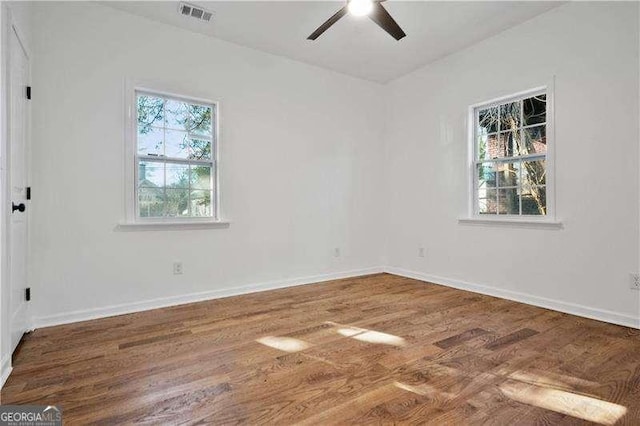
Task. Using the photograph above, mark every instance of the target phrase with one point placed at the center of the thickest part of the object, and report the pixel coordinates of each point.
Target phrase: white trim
(511, 221)
(5, 370)
(502, 99)
(127, 308)
(9, 27)
(543, 302)
(170, 226)
(131, 88)
(5, 290)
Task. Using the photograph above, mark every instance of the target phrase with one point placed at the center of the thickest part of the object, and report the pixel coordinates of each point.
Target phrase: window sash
(476, 161)
(163, 159)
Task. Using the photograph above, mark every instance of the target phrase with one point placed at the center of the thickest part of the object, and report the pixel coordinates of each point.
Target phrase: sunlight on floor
(378, 337)
(424, 390)
(549, 378)
(369, 336)
(286, 344)
(579, 406)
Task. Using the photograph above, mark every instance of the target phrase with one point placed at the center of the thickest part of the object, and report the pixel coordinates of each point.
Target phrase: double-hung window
(510, 168)
(175, 158)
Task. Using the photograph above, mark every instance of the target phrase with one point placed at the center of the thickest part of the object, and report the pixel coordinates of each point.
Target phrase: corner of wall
(5, 369)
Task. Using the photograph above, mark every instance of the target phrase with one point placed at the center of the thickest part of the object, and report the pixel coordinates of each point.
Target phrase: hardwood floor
(375, 349)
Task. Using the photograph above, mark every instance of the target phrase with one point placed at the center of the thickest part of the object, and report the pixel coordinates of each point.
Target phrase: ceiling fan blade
(329, 22)
(380, 16)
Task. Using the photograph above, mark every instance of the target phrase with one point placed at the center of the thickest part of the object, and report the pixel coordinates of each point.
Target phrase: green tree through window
(175, 156)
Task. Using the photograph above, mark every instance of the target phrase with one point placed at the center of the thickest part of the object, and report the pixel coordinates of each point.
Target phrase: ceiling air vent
(195, 12)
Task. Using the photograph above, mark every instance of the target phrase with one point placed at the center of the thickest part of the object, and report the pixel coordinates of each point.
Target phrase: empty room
(319, 212)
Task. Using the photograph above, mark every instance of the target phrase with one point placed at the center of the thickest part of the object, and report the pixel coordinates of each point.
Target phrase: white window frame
(473, 216)
(132, 220)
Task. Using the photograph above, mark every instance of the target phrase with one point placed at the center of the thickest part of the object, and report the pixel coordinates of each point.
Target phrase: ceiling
(353, 46)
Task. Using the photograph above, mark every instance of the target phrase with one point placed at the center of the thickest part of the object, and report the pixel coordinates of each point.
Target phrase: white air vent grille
(193, 11)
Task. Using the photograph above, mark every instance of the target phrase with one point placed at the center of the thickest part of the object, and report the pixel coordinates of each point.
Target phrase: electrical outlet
(421, 252)
(177, 268)
(336, 252)
(634, 281)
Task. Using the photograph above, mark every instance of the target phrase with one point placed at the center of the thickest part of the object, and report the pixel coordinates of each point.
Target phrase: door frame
(8, 25)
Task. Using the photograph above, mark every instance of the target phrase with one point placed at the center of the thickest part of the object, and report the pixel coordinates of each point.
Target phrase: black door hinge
(27, 293)
(28, 92)
(28, 192)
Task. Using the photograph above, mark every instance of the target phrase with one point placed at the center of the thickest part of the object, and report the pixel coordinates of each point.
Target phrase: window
(175, 158)
(510, 167)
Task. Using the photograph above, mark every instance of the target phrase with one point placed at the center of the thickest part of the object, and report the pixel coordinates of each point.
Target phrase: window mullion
(520, 187)
(520, 163)
(189, 196)
(164, 190)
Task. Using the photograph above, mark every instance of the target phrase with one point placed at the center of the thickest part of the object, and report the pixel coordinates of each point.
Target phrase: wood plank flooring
(375, 349)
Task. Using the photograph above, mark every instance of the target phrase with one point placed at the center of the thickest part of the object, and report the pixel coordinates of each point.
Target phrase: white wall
(592, 50)
(300, 152)
(313, 160)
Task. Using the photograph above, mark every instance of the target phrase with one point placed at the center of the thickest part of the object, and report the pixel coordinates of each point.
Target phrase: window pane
(201, 203)
(488, 147)
(177, 202)
(486, 175)
(150, 141)
(188, 117)
(177, 175)
(177, 113)
(510, 116)
(535, 110)
(534, 200)
(201, 177)
(487, 201)
(507, 145)
(150, 174)
(150, 112)
(534, 173)
(200, 149)
(508, 201)
(488, 120)
(176, 144)
(151, 202)
(508, 174)
(535, 140)
(200, 119)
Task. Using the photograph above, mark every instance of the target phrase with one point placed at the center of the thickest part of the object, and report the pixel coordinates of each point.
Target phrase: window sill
(169, 226)
(511, 222)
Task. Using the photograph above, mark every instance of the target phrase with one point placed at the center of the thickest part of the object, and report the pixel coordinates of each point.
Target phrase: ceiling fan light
(360, 7)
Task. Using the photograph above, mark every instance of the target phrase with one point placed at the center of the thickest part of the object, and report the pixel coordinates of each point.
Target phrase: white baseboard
(555, 305)
(128, 308)
(5, 369)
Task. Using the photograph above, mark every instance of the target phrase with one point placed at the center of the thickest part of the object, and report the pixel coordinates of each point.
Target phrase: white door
(17, 178)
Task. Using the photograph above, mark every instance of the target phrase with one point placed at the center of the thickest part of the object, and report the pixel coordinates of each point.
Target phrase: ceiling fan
(371, 8)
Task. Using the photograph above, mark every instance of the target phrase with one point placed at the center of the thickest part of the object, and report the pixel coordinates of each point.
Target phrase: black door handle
(20, 207)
